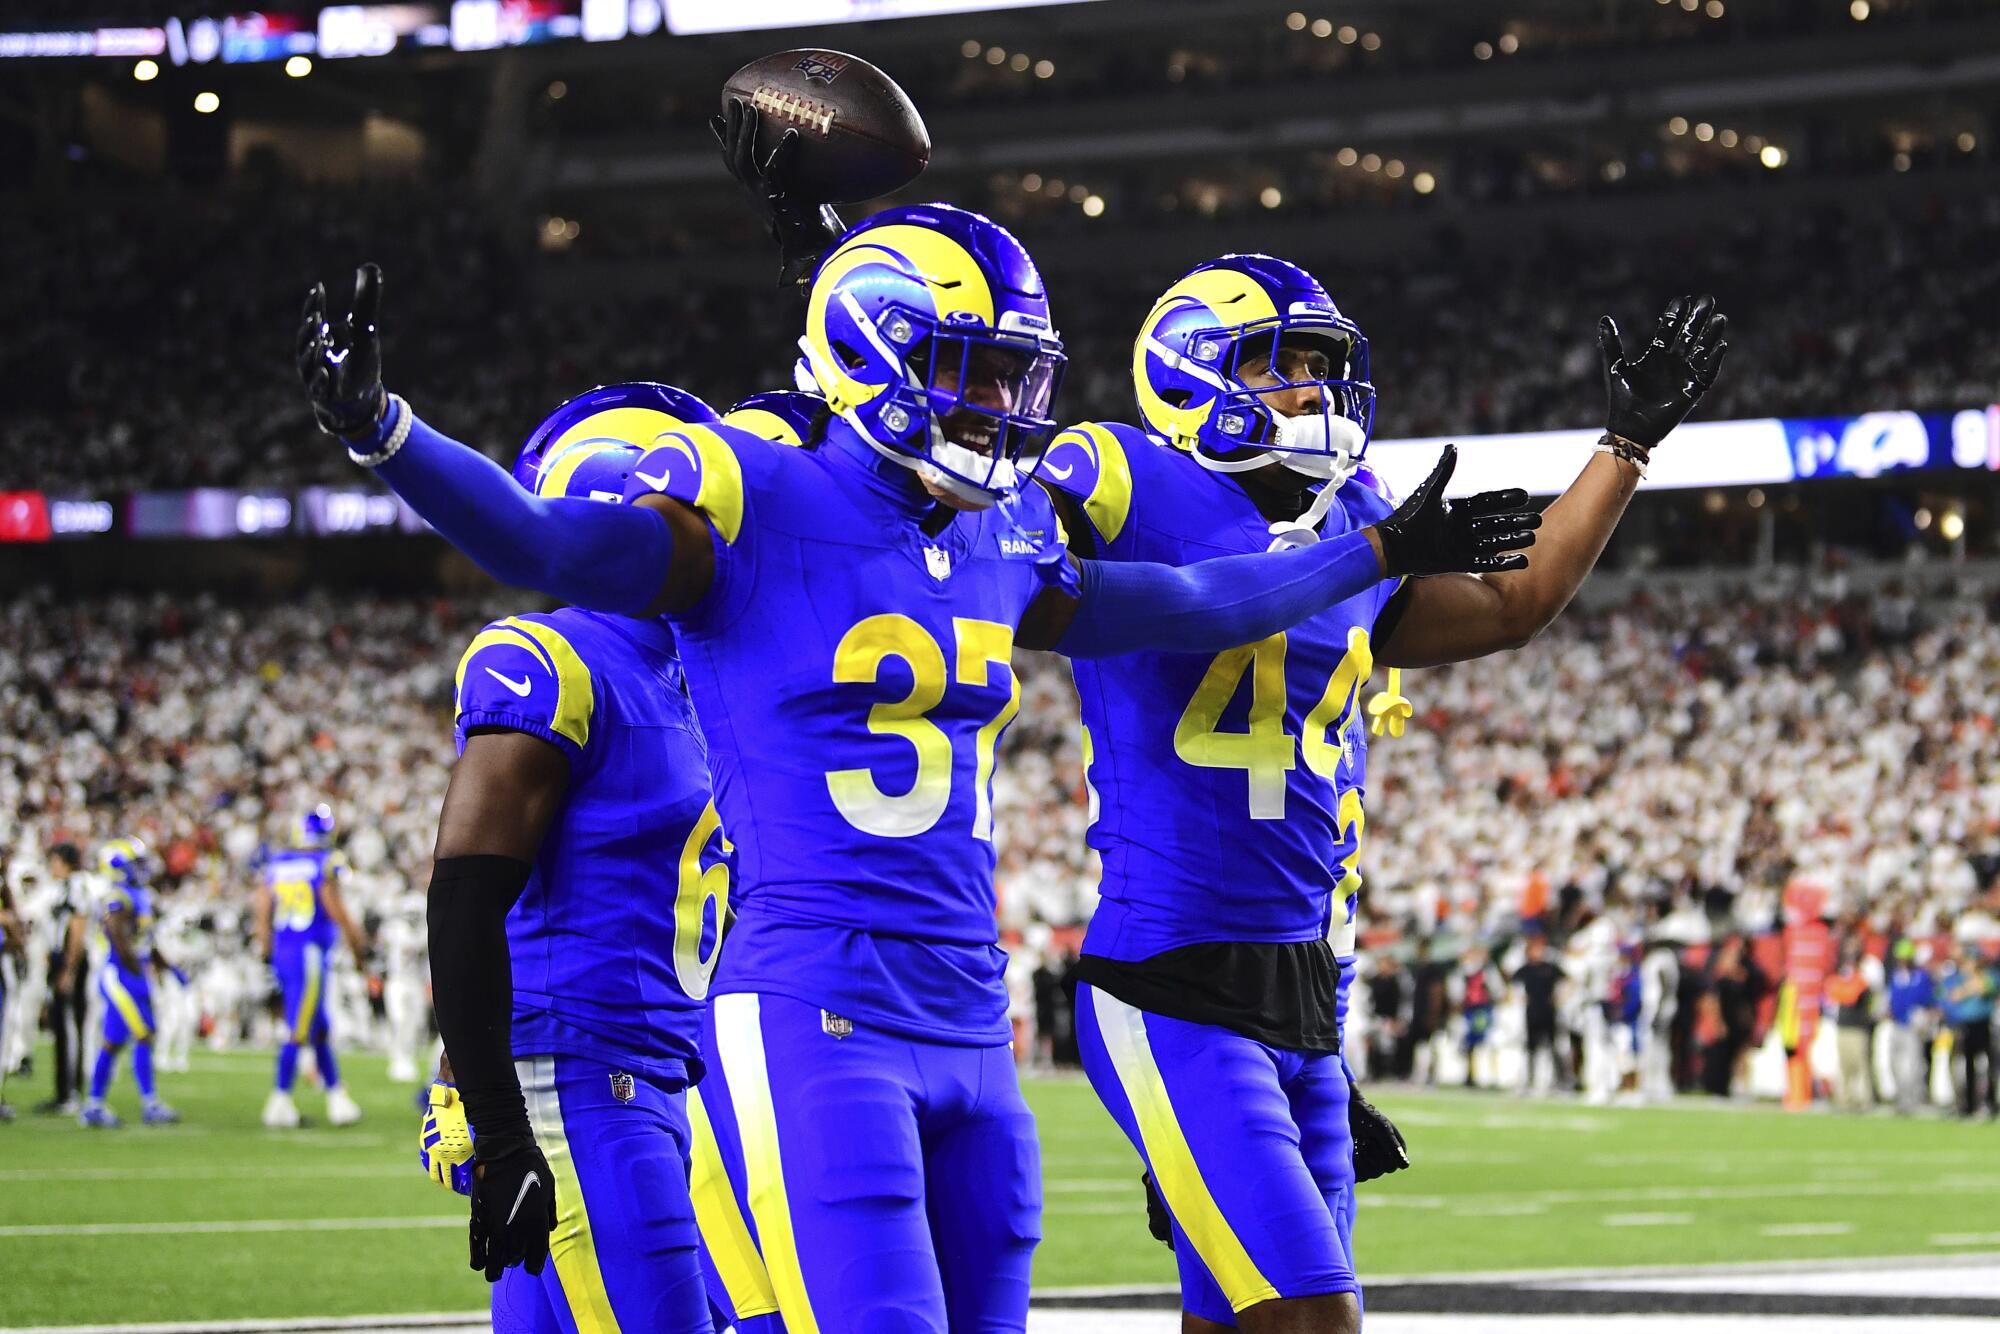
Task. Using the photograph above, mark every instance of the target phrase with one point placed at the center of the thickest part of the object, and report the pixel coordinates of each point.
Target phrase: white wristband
(1608, 444)
(397, 435)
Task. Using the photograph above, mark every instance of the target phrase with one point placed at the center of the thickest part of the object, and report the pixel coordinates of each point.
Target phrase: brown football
(862, 136)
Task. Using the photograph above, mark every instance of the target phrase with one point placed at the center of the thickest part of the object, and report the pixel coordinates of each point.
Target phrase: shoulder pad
(701, 466)
(1089, 461)
(524, 671)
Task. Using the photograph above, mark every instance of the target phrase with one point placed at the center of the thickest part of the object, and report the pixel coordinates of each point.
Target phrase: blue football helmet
(585, 449)
(927, 331)
(1229, 317)
(316, 827)
(124, 860)
(784, 415)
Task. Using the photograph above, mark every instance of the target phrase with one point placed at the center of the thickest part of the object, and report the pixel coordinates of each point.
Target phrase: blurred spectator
(1966, 989)
(1855, 989)
(1913, 1023)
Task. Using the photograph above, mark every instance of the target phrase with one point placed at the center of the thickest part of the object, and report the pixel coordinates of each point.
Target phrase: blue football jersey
(1228, 786)
(136, 899)
(297, 879)
(853, 677)
(614, 938)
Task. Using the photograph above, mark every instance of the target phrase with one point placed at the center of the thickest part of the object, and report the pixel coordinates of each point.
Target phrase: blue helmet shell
(585, 449)
(913, 308)
(784, 415)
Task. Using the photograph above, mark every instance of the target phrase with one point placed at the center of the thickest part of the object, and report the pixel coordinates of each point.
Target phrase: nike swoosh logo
(519, 687)
(532, 1179)
(657, 483)
(1060, 474)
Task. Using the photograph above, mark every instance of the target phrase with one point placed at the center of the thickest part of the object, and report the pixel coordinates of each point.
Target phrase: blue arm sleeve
(603, 557)
(1211, 605)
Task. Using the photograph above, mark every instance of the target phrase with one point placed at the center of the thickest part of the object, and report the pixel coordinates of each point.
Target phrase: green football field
(218, 1218)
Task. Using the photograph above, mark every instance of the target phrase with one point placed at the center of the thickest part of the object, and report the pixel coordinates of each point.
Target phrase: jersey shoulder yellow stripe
(543, 676)
(698, 464)
(1088, 463)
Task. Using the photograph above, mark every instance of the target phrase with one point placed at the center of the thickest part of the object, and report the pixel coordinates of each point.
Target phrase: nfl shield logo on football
(835, 1025)
(938, 561)
(824, 66)
(623, 1087)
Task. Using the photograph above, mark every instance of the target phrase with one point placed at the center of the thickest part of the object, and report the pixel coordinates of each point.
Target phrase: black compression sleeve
(472, 988)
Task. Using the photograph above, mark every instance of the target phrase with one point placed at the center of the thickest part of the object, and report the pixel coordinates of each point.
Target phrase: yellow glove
(445, 1145)
(1390, 709)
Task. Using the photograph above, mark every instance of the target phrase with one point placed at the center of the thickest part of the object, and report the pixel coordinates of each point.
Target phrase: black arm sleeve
(472, 988)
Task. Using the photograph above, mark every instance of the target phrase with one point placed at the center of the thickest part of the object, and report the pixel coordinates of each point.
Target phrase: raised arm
(1460, 616)
(615, 558)
(1137, 606)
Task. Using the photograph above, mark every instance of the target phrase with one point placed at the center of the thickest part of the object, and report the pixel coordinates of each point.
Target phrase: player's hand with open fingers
(804, 228)
(513, 1210)
(339, 357)
(1482, 534)
(1650, 389)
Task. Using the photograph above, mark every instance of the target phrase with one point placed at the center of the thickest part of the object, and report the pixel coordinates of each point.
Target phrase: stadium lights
(1371, 162)
(1923, 520)
(1966, 141)
(1348, 35)
(1295, 21)
(1322, 28)
(1018, 63)
(207, 103)
(299, 66)
(1772, 156)
(970, 48)
(1032, 182)
(1614, 170)
(1756, 497)
(1271, 196)
(1858, 11)
(1713, 9)
(1393, 169)
(1347, 157)
(1045, 69)
(1423, 182)
(1690, 5)
(1078, 193)
(1093, 206)
(1678, 125)
(1727, 138)
(558, 91)
(1509, 43)
(1704, 131)
(1371, 41)
(1952, 526)
(148, 70)
(1900, 162)
(996, 55)
(1482, 50)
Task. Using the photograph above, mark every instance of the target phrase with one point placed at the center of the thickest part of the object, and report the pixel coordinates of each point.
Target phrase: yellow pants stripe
(572, 1246)
(1172, 1161)
(315, 969)
(740, 1037)
(724, 1230)
(135, 1018)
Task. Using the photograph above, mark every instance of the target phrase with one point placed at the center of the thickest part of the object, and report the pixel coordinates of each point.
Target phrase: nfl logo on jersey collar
(938, 561)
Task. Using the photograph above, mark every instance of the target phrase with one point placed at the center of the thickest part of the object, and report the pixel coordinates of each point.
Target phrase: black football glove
(803, 229)
(1430, 535)
(1158, 1221)
(340, 361)
(1378, 1145)
(513, 1209)
(1648, 394)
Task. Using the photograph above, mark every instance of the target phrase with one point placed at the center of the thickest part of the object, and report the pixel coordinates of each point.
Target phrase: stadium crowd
(1503, 344)
(1572, 848)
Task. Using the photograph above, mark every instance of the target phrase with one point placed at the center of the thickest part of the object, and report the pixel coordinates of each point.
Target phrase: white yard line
(201, 1173)
(1965, 1239)
(1647, 1220)
(1692, 1194)
(230, 1225)
(1806, 1230)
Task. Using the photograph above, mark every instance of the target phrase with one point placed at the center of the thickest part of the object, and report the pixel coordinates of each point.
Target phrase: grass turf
(1499, 1184)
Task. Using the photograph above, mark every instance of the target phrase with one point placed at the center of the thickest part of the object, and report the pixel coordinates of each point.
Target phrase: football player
(299, 907)
(1230, 786)
(576, 909)
(847, 616)
(124, 983)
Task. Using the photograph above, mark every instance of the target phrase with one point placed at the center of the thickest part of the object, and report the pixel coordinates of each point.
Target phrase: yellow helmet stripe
(1235, 298)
